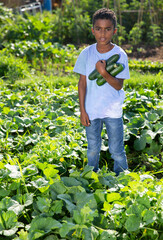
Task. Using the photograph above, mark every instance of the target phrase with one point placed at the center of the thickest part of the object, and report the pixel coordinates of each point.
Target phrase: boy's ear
(115, 31)
(92, 30)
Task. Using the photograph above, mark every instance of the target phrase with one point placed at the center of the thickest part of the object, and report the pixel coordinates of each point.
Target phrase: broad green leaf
(136, 122)
(161, 138)
(111, 197)
(11, 205)
(43, 204)
(136, 209)
(39, 183)
(87, 173)
(66, 227)
(152, 234)
(154, 148)
(146, 176)
(75, 189)
(52, 237)
(23, 235)
(134, 175)
(99, 195)
(90, 233)
(27, 122)
(3, 192)
(70, 181)
(88, 214)
(10, 232)
(152, 117)
(148, 135)
(149, 132)
(57, 206)
(1, 164)
(78, 218)
(109, 181)
(58, 187)
(148, 216)
(144, 200)
(26, 199)
(50, 172)
(8, 220)
(132, 223)
(140, 143)
(158, 128)
(107, 207)
(14, 171)
(108, 235)
(41, 226)
(89, 200)
(30, 170)
(6, 110)
(67, 199)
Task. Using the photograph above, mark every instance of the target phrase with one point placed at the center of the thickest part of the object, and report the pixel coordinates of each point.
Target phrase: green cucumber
(119, 68)
(112, 59)
(109, 68)
(100, 81)
(95, 74)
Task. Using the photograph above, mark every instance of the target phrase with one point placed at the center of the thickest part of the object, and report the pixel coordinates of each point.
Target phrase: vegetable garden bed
(48, 191)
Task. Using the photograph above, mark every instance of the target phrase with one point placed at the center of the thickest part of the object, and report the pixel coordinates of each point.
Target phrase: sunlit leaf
(132, 223)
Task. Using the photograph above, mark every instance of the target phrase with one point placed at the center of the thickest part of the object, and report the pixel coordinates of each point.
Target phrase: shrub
(154, 35)
(135, 35)
(12, 68)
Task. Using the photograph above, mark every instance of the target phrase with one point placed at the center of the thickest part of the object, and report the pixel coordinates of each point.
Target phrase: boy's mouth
(102, 39)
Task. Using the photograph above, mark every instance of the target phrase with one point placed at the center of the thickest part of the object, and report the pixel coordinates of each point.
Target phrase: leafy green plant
(154, 35)
(12, 68)
(146, 65)
(121, 35)
(135, 34)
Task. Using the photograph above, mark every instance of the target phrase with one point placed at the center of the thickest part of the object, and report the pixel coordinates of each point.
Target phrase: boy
(102, 104)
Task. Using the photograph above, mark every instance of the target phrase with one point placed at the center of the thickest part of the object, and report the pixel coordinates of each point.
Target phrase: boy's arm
(116, 83)
(82, 85)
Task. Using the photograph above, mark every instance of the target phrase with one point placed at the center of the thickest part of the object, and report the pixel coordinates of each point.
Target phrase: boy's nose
(102, 33)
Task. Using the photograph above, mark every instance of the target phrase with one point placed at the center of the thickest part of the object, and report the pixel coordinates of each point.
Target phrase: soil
(144, 52)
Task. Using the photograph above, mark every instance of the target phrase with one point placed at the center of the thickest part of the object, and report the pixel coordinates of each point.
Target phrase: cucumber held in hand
(95, 74)
(109, 68)
(119, 68)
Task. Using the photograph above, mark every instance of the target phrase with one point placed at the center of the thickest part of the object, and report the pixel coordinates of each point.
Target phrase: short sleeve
(80, 65)
(125, 73)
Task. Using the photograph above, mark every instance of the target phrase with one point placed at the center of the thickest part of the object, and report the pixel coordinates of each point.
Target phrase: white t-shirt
(101, 101)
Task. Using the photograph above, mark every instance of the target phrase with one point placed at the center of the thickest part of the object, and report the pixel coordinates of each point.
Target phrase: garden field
(47, 191)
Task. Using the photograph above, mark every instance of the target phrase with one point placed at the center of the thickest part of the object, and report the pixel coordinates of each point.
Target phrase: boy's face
(103, 30)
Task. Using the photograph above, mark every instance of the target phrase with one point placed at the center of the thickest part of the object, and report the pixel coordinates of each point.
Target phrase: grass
(146, 80)
(137, 80)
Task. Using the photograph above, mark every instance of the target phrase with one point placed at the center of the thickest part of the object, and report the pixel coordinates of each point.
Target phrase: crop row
(37, 203)
(47, 191)
(41, 55)
(28, 116)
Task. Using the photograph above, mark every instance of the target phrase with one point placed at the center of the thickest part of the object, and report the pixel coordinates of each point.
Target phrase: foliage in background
(72, 23)
(12, 68)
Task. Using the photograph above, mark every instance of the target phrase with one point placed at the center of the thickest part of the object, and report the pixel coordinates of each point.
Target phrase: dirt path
(144, 53)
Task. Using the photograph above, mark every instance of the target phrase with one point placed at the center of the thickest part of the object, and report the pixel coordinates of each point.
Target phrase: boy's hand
(84, 119)
(100, 66)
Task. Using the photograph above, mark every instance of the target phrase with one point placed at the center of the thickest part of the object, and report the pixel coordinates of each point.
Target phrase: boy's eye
(98, 29)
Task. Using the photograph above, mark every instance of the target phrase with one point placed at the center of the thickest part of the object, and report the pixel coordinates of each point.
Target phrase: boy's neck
(105, 48)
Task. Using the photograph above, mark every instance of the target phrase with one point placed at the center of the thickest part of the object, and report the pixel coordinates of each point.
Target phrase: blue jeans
(114, 128)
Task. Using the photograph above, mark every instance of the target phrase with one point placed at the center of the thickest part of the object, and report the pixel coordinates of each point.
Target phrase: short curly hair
(105, 13)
